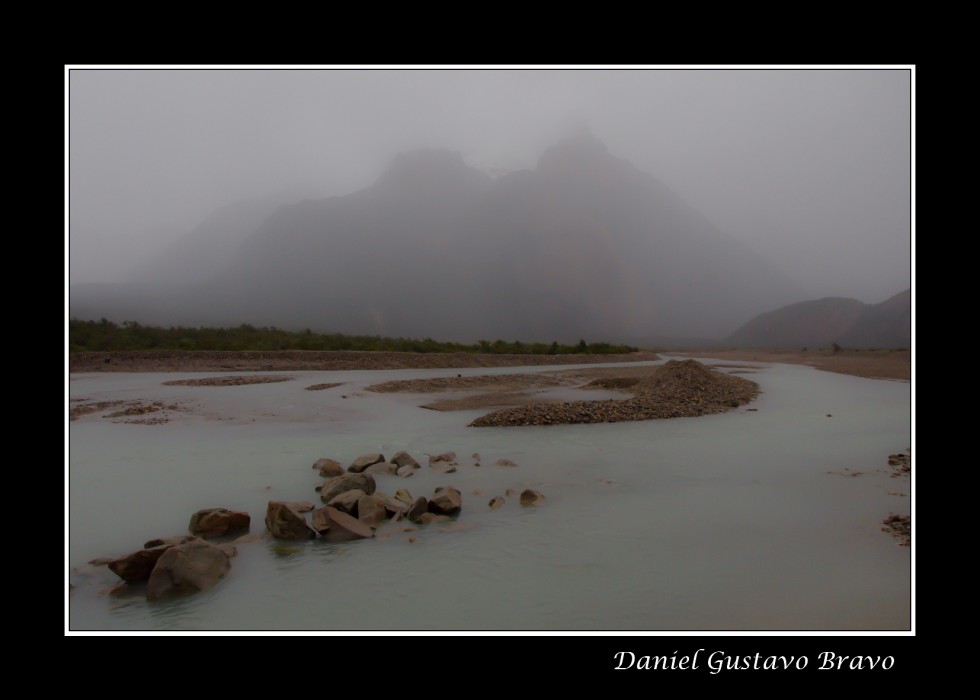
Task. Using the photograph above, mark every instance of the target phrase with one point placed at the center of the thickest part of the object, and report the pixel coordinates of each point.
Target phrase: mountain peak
(424, 168)
(580, 148)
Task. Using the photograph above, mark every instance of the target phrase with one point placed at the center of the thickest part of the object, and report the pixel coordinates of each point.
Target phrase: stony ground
(675, 389)
(229, 381)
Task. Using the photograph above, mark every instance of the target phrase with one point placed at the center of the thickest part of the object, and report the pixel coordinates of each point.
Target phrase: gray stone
(336, 526)
(285, 523)
(328, 467)
(421, 505)
(215, 522)
(348, 482)
(530, 497)
(446, 501)
(403, 459)
(365, 461)
(347, 501)
(187, 568)
(381, 468)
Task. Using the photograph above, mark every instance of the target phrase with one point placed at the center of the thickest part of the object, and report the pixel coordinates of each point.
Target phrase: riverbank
(305, 360)
(872, 364)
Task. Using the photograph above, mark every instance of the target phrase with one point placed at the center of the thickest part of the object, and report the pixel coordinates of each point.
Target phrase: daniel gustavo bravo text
(715, 662)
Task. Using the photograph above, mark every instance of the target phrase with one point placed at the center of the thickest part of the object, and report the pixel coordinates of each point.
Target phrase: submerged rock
(427, 518)
(175, 539)
(530, 497)
(328, 467)
(187, 568)
(406, 471)
(442, 467)
(505, 463)
(286, 524)
(215, 522)
(497, 502)
(137, 566)
(444, 457)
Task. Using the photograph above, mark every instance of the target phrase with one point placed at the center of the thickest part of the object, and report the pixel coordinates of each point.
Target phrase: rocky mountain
(820, 323)
(582, 246)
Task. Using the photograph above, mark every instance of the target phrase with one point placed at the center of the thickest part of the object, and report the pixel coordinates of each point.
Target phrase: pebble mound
(679, 388)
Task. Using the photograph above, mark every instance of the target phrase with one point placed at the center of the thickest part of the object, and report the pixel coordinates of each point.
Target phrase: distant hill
(820, 323)
(583, 246)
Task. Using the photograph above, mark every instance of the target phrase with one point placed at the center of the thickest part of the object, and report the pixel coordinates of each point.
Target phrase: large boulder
(365, 461)
(371, 510)
(348, 482)
(285, 523)
(215, 522)
(336, 526)
(347, 501)
(446, 501)
(328, 467)
(403, 459)
(187, 568)
(136, 567)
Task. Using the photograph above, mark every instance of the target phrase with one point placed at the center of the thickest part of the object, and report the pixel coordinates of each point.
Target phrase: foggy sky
(809, 167)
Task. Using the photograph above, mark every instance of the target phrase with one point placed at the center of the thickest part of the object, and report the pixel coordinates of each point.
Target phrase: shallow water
(740, 521)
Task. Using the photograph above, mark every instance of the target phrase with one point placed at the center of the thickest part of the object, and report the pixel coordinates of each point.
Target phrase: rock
(530, 497)
(405, 497)
(403, 459)
(328, 467)
(229, 549)
(300, 506)
(420, 506)
(136, 567)
(371, 510)
(381, 468)
(105, 561)
(444, 457)
(187, 568)
(497, 502)
(442, 467)
(337, 485)
(427, 518)
(215, 522)
(365, 461)
(446, 501)
(251, 537)
(505, 463)
(285, 523)
(175, 539)
(336, 526)
(347, 501)
(393, 506)
(406, 471)
(476, 456)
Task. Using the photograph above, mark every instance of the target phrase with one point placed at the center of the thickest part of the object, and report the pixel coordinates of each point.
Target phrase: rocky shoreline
(303, 360)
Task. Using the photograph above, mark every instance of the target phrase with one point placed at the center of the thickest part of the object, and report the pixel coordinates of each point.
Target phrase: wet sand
(873, 364)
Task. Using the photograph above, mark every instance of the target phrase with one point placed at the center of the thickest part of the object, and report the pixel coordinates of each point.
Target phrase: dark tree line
(105, 335)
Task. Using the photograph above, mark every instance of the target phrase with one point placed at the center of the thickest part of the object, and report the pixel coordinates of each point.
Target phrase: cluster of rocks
(126, 412)
(183, 564)
(230, 381)
(902, 463)
(899, 526)
(679, 388)
(353, 509)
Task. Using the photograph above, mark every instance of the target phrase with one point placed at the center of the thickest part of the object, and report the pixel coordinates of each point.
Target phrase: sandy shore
(300, 360)
(874, 364)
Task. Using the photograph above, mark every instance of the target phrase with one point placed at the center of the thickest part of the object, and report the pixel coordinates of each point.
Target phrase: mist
(808, 172)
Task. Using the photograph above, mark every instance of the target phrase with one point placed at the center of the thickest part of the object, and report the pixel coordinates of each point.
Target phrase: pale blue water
(725, 522)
